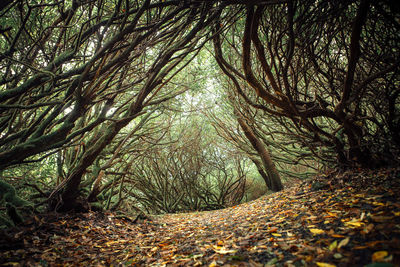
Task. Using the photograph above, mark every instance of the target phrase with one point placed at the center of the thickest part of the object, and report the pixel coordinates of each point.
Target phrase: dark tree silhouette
(330, 69)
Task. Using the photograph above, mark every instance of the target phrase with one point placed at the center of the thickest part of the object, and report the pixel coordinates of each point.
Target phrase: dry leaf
(344, 242)
(323, 264)
(337, 236)
(379, 256)
(354, 224)
(333, 245)
(223, 250)
(316, 231)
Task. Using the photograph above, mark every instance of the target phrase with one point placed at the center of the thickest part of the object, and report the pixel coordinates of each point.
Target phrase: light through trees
(90, 87)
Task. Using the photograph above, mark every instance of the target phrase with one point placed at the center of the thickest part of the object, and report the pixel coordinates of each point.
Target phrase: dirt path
(296, 227)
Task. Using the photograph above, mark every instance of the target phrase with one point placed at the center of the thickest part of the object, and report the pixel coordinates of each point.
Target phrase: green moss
(5, 222)
(9, 195)
(10, 200)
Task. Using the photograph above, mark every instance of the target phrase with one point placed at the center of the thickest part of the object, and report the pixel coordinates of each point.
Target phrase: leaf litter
(343, 223)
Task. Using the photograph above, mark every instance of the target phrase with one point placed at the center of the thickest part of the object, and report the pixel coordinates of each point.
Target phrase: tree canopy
(94, 98)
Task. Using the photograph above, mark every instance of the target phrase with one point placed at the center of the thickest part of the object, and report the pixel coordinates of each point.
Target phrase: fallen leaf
(323, 264)
(273, 230)
(379, 256)
(272, 261)
(354, 224)
(337, 256)
(368, 228)
(378, 204)
(317, 231)
(333, 245)
(11, 263)
(343, 242)
(360, 247)
(222, 250)
(337, 236)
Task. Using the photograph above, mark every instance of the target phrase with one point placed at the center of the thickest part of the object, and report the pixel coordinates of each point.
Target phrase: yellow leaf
(379, 256)
(276, 234)
(213, 264)
(222, 250)
(11, 264)
(323, 264)
(316, 231)
(344, 242)
(354, 224)
(333, 245)
(396, 213)
(109, 243)
(378, 203)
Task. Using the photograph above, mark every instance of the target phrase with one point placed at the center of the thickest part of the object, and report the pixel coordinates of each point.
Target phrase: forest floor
(339, 219)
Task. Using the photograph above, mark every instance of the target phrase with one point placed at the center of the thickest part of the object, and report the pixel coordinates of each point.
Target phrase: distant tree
(186, 171)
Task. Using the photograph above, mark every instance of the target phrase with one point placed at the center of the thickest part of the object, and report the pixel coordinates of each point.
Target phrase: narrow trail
(300, 226)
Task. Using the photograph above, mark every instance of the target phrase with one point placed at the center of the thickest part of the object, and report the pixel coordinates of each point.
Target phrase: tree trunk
(65, 196)
(261, 171)
(274, 180)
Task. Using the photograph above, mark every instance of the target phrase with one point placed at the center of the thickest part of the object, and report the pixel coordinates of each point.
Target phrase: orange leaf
(379, 256)
(360, 247)
(337, 236)
(273, 230)
(323, 264)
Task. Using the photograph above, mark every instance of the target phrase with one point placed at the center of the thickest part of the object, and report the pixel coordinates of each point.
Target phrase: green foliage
(124, 104)
(11, 201)
(5, 222)
(8, 195)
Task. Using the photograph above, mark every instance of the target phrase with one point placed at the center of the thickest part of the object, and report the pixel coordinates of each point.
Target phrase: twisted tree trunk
(273, 179)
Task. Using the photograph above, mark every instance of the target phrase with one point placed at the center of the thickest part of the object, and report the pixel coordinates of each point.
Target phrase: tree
(272, 179)
(78, 76)
(65, 62)
(310, 65)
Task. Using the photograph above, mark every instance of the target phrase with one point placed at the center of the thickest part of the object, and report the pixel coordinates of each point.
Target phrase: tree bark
(273, 180)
